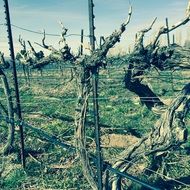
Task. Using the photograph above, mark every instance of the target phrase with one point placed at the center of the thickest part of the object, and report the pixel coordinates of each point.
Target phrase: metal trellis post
(11, 48)
(95, 73)
(168, 34)
(91, 24)
(82, 41)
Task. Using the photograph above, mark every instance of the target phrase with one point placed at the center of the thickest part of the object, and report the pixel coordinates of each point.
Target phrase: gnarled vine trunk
(169, 131)
(84, 88)
(9, 112)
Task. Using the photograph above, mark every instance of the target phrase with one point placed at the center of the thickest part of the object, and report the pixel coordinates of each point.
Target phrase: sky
(109, 14)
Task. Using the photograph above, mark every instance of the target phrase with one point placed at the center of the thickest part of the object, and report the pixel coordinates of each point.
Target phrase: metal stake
(82, 40)
(91, 24)
(95, 73)
(11, 48)
(168, 34)
(97, 126)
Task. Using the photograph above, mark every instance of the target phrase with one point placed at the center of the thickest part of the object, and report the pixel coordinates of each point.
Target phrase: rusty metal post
(168, 34)
(95, 73)
(12, 55)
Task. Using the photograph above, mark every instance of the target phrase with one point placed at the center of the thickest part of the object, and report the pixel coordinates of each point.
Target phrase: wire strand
(41, 33)
(162, 175)
(109, 98)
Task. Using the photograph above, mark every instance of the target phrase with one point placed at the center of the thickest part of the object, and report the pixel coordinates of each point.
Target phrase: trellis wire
(106, 78)
(117, 68)
(130, 177)
(162, 175)
(41, 33)
(111, 98)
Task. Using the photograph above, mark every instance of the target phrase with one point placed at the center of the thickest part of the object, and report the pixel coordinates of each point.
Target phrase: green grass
(51, 167)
